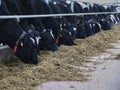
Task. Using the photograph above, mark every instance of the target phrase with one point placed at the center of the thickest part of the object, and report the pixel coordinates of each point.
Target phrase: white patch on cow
(68, 2)
(55, 3)
(99, 26)
(88, 6)
(18, 20)
(44, 30)
(70, 33)
(1, 44)
(74, 28)
(90, 26)
(105, 7)
(118, 9)
(92, 4)
(37, 39)
(65, 5)
(112, 17)
(51, 33)
(32, 40)
(61, 29)
(83, 5)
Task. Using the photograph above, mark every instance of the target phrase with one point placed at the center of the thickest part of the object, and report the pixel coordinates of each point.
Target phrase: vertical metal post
(72, 5)
(116, 1)
(47, 1)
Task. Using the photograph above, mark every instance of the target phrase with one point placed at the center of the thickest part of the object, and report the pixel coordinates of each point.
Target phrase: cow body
(22, 43)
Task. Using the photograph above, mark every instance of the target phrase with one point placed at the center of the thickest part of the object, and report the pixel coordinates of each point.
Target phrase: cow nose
(55, 47)
(34, 60)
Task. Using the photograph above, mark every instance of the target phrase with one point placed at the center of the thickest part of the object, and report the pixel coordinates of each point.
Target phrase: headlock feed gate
(6, 52)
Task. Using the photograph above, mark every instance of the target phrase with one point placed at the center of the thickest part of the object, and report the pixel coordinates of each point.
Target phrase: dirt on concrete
(57, 66)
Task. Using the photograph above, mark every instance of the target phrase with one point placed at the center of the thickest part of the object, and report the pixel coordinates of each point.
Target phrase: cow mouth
(53, 47)
(30, 60)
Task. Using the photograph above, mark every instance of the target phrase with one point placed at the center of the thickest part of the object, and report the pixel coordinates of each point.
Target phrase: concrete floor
(105, 77)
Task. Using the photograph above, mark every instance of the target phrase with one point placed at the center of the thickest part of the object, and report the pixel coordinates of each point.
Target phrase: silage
(56, 66)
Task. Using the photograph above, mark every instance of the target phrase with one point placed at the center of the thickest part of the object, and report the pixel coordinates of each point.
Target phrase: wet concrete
(105, 77)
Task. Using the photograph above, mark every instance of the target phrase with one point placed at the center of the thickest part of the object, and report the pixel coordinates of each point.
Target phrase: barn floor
(105, 77)
(68, 64)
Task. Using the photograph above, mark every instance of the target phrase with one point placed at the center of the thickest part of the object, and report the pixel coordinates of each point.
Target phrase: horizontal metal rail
(97, 3)
(111, 3)
(53, 15)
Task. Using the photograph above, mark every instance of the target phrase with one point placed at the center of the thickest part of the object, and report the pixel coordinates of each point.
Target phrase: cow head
(47, 40)
(73, 29)
(12, 34)
(26, 49)
(65, 37)
(105, 24)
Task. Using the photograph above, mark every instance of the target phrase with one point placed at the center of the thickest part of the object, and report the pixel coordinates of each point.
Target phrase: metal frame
(53, 15)
(47, 1)
(111, 3)
(72, 5)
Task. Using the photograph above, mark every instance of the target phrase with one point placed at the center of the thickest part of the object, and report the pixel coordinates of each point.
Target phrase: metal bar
(111, 3)
(72, 5)
(97, 3)
(53, 15)
(81, 1)
(47, 1)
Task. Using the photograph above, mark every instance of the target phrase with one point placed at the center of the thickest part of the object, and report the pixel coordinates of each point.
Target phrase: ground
(106, 67)
(67, 64)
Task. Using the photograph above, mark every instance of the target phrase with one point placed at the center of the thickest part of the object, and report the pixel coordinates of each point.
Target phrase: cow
(52, 23)
(69, 22)
(113, 17)
(103, 18)
(19, 7)
(22, 42)
(85, 25)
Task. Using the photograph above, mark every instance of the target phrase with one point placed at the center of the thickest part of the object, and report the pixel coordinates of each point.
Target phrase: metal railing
(53, 15)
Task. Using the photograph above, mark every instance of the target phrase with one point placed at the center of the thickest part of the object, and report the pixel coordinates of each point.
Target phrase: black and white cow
(20, 7)
(61, 35)
(70, 22)
(86, 22)
(104, 18)
(113, 17)
(22, 43)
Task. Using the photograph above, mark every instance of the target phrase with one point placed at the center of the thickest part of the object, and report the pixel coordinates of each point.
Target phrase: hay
(56, 66)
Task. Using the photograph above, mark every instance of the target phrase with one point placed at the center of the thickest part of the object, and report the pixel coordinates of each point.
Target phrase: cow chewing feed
(22, 43)
(22, 7)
